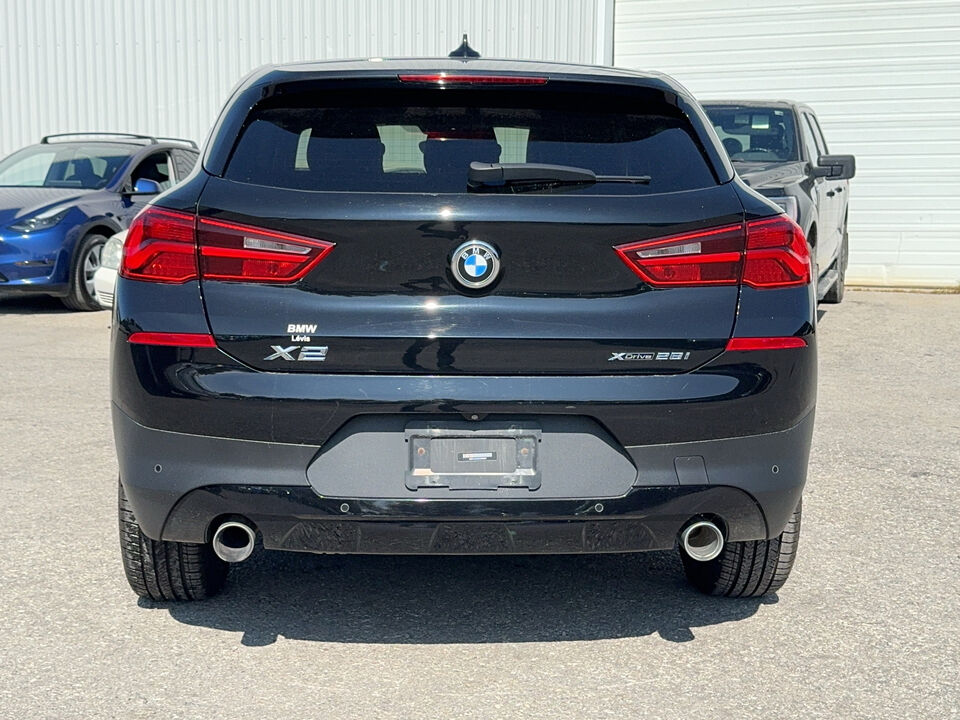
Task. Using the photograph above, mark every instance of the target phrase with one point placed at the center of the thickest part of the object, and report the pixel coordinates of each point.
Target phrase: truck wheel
(747, 569)
(86, 260)
(834, 295)
(161, 570)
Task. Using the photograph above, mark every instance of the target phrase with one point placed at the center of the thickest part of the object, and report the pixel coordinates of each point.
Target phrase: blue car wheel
(82, 294)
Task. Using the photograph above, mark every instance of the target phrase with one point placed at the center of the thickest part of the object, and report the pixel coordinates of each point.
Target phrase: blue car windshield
(69, 165)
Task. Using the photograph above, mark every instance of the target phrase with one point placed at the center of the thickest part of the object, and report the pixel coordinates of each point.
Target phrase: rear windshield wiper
(533, 177)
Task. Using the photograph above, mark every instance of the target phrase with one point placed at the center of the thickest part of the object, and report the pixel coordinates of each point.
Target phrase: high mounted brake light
(454, 79)
(163, 246)
(766, 254)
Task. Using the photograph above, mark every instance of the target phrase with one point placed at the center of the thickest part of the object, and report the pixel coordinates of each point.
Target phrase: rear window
(423, 141)
(756, 133)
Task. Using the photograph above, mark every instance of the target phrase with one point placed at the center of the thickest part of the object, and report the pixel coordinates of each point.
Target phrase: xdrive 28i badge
(475, 264)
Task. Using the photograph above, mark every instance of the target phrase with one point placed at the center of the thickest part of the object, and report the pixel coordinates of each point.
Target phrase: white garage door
(884, 78)
(166, 67)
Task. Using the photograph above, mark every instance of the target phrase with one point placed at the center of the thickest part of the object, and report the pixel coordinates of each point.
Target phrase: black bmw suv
(462, 306)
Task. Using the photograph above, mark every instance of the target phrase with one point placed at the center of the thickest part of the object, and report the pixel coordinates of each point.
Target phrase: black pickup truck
(779, 150)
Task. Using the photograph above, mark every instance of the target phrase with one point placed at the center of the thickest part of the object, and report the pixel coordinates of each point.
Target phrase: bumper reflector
(764, 343)
(197, 340)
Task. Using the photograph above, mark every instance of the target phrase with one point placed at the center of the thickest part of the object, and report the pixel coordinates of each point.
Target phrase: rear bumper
(296, 518)
(182, 485)
(204, 391)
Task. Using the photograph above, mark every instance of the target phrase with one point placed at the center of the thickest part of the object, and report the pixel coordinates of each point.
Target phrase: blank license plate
(483, 459)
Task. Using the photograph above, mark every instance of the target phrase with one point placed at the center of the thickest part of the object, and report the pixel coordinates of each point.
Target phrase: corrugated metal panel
(884, 78)
(166, 67)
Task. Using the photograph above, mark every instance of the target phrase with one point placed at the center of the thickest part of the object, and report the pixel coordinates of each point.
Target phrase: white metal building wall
(166, 67)
(884, 78)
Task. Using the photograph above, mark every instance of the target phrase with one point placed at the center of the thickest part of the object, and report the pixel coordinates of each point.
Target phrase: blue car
(61, 199)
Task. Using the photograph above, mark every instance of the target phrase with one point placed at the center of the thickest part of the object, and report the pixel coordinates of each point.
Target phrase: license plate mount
(460, 457)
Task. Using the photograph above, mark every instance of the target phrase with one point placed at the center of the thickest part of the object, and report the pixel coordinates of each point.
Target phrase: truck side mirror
(836, 167)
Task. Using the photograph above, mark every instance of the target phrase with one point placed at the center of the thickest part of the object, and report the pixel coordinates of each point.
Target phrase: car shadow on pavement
(32, 305)
(425, 600)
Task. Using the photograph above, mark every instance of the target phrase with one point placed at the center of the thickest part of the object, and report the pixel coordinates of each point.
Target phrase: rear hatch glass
(424, 141)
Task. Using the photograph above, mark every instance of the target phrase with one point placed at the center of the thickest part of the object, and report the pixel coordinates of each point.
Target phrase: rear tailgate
(378, 185)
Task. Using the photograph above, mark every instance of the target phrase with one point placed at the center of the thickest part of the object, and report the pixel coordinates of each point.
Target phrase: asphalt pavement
(868, 626)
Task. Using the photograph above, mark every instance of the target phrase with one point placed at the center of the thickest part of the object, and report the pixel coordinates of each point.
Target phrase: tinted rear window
(423, 141)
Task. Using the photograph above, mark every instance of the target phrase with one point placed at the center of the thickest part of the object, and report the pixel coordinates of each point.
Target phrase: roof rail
(47, 138)
(191, 143)
(150, 140)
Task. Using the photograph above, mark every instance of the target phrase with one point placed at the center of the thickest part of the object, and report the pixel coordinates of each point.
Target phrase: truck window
(810, 143)
(818, 134)
(756, 133)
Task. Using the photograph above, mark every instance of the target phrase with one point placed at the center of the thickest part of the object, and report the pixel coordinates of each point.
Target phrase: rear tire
(81, 294)
(163, 571)
(748, 569)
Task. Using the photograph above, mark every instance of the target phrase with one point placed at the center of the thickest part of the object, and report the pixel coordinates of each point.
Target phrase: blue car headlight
(40, 221)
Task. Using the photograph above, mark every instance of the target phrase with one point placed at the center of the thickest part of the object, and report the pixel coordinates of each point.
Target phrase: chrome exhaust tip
(233, 541)
(702, 540)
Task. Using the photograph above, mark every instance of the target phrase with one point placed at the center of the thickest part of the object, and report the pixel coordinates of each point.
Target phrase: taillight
(767, 253)
(160, 247)
(777, 254)
(241, 253)
(704, 257)
(455, 79)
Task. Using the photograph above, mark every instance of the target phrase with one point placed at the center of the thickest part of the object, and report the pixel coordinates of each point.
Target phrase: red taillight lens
(160, 247)
(454, 79)
(777, 254)
(768, 253)
(704, 257)
(241, 253)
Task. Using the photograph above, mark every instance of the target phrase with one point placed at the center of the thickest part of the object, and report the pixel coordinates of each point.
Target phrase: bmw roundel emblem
(475, 264)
